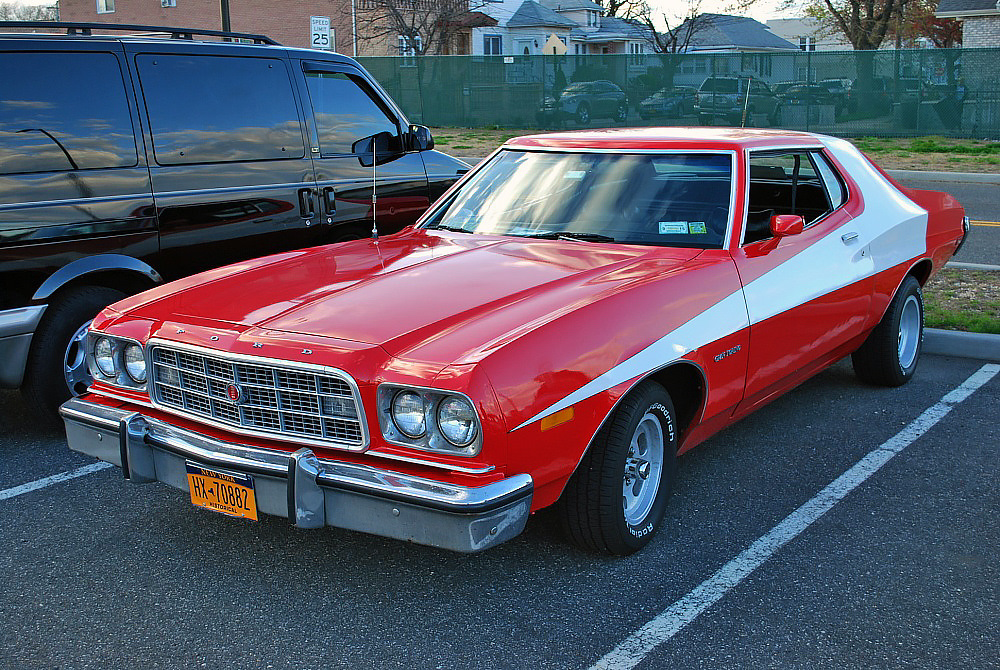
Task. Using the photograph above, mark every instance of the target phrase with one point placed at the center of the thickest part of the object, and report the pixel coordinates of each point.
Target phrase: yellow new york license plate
(231, 494)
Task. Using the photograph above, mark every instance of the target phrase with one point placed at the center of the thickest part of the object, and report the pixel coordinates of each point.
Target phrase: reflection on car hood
(457, 291)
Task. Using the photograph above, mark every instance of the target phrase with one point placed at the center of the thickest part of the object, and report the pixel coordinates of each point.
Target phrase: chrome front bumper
(305, 489)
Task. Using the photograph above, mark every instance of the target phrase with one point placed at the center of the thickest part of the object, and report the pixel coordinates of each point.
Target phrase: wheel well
(686, 385)
(922, 271)
(122, 280)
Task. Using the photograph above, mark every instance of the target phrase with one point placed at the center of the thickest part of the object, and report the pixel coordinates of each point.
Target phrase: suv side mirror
(376, 149)
(420, 138)
(783, 225)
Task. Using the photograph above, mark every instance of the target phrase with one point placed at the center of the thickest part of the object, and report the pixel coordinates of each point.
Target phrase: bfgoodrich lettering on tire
(890, 354)
(615, 500)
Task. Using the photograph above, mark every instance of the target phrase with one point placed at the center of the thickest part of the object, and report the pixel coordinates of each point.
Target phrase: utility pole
(225, 16)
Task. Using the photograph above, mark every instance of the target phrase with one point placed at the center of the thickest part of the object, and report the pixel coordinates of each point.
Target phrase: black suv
(126, 161)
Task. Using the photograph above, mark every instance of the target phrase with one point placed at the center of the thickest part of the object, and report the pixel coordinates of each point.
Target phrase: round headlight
(408, 413)
(457, 420)
(104, 356)
(135, 363)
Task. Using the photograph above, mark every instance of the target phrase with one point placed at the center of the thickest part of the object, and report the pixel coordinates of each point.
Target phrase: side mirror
(783, 225)
(376, 149)
(420, 138)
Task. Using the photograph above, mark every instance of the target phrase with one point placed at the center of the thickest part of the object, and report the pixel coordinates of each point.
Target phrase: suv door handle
(306, 207)
(329, 200)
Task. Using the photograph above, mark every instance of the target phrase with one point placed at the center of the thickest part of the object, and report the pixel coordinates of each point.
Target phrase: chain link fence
(949, 92)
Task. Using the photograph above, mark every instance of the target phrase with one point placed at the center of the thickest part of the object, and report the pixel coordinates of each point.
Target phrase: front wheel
(890, 354)
(622, 114)
(614, 502)
(583, 115)
(57, 365)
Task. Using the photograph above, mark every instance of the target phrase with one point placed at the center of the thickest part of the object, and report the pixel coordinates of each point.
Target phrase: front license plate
(222, 492)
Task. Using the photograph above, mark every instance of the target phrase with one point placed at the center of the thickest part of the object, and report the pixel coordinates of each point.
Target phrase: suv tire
(55, 358)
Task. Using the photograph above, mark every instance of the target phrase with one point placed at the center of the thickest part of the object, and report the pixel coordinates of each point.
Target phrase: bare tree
(626, 9)
(865, 23)
(425, 26)
(10, 11)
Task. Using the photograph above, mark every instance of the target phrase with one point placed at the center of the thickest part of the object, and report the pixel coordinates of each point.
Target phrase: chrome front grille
(274, 400)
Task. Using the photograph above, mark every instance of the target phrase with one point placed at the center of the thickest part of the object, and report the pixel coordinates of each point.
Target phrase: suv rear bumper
(16, 329)
(311, 492)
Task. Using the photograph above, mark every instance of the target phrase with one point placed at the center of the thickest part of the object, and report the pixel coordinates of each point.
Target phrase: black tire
(45, 386)
(621, 114)
(884, 359)
(592, 508)
(706, 120)
(772, 118)
(583, 114)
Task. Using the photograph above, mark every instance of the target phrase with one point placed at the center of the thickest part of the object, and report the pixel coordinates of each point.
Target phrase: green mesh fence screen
(950, 92)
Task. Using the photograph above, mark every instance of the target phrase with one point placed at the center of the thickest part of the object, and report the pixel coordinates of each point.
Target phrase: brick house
(980, 20)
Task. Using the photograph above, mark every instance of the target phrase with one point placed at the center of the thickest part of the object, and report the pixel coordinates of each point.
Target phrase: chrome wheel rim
(75, 362)
(643, 468)
(909, 332)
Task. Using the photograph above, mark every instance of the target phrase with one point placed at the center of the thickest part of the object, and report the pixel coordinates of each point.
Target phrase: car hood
(425, 295)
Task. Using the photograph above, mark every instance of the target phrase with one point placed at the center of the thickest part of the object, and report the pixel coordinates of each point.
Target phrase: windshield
(668, 199)
(720, 85)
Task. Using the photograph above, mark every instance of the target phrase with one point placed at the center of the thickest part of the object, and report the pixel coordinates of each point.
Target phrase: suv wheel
(57, 365)
(583, 114)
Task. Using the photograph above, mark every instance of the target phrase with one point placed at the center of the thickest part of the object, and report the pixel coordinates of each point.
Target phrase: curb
(954, 177)
(961, 344)
(972, 266)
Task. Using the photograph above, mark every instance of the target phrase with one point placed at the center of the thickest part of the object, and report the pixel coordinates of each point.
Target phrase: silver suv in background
(726, 97)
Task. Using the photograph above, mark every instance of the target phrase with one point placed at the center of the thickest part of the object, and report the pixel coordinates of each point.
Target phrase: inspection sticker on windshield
(672, 227)
(697, 227)
(575, 174)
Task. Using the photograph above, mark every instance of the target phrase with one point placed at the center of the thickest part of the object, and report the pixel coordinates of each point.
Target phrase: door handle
(329, 200)
(306, 207)
(847, 238)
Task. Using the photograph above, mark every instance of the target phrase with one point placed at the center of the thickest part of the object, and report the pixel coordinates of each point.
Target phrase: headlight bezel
(121, 376)
(433, 440)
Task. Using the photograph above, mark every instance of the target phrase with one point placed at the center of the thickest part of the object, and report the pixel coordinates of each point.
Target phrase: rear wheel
(57, 364)
(614, 502)
(622, 113)
(890, 354)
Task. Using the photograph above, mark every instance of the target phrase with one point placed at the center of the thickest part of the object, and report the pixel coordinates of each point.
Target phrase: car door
(809, 294)
(230, 172)
(344, 106)
(73, 184)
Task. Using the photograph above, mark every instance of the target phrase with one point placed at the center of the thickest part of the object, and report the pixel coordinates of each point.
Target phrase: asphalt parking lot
(901, 572)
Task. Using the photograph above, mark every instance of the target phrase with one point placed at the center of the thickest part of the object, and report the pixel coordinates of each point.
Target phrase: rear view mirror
(420, 138)
(783, 225)
(376, 149)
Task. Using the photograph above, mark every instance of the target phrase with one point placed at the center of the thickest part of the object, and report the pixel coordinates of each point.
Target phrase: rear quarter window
(219, 109)
(63, 112)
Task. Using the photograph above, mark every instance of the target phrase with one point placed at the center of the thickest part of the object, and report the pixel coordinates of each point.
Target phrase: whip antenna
(374, 198)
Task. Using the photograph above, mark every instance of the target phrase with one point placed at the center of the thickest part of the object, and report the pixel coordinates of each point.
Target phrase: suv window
(47, 124)
(783, 183)
(719, 85)
(219, 109)
(344, 112)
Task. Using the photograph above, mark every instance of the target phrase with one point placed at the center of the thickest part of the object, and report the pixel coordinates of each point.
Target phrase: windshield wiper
(453, 229)
(570, 235)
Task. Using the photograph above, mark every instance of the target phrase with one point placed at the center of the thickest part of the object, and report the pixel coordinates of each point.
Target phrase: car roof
(676, 137)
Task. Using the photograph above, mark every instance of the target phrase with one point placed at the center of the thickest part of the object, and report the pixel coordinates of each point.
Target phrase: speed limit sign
(320, 35)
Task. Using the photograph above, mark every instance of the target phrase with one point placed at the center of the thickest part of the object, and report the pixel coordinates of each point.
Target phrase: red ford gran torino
(570, 316)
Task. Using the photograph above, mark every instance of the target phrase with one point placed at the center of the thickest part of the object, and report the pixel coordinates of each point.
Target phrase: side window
(831, 180)
(46, 125)
(782, 183)
(219, 109)
(344, 112)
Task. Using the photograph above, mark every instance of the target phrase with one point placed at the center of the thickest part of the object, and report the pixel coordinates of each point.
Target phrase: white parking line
(53, 479)
(669, 622)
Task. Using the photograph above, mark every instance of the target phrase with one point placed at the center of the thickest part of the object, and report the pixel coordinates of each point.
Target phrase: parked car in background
(839, 88)
(726, 98)
(582, 102)
(672, 103)
(807, 94)
(129, 161)
(574, 313)
(878, 99)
